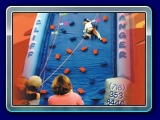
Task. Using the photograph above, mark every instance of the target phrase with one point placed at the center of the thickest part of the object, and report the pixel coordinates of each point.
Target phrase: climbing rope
(43, 79)
(63, 62)
(66, 58)
(51, 44)
(96, 17)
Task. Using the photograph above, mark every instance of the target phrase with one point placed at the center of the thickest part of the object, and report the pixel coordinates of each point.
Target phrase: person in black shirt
(33, 84)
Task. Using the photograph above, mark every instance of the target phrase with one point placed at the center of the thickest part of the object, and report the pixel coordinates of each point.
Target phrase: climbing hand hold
(71, 23)
(73, 38)
(48, 69)
(82, 69)
(57, 56)
(52, 27)
(66, 71)
(105, 18)
(43, 91)
(80, 91)
(104, 40)
(95, 51)
(69, 51)
(92, 81)
(102, 91)
(96, 98)
(104, 63)
(52, 46)
(84, 48)
(63, 30)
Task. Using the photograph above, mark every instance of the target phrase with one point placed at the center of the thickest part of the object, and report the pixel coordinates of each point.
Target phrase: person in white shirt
(89, 29)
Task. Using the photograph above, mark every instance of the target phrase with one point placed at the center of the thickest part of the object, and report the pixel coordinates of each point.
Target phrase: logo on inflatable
(122, 35)
(33, 37)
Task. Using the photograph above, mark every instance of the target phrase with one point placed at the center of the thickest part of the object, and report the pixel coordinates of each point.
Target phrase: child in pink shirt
(63, 94)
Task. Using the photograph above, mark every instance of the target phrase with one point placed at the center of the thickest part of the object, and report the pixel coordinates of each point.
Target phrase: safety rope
(51, 44)
(43, 79)
(96, 17)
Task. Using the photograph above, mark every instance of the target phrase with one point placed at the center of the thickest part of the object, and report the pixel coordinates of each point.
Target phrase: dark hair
(31, 88)
(61, 85)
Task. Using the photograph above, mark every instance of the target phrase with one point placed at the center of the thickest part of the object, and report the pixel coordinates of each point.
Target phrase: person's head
(34, 83)
(61, 85)
(20, 82)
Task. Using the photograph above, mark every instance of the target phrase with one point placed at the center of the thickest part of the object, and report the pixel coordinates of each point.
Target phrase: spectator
(63, 93)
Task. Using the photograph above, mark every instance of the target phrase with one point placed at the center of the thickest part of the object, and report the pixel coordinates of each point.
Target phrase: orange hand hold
(80, 91)
(43, 91)
(84, 48)
(69, 51)
(82, 69)
(105, 18)
(95, 51)
(66, 71)
(57, 56)
(52, 27)
(104, 40)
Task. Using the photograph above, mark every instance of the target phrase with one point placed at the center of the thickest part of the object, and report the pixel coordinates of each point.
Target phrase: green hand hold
(56, 32)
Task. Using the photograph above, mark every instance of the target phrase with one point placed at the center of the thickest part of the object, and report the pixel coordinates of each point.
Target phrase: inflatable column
(123, 46)
(118, 90)
(35, 44)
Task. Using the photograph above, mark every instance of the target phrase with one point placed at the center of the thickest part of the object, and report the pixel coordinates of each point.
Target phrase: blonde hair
(61, 85)
(35, 81)
(20, 79)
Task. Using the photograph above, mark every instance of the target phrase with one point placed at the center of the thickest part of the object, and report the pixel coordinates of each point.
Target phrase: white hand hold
(60, 23)
(93, 20)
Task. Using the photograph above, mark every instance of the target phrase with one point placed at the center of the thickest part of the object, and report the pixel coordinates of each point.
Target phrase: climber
(89, 29)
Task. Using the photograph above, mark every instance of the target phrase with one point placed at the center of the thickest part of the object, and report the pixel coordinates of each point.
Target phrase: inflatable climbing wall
(57, 47)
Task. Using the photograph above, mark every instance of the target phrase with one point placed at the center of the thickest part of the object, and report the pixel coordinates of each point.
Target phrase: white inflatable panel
(117, 91)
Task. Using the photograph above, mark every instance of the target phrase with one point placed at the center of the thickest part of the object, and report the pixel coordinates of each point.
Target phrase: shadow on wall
(22, 22)
(138, 65)
(19, 55)
(137, 29)
(22, 28)
(138, 20)
(140, 58)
